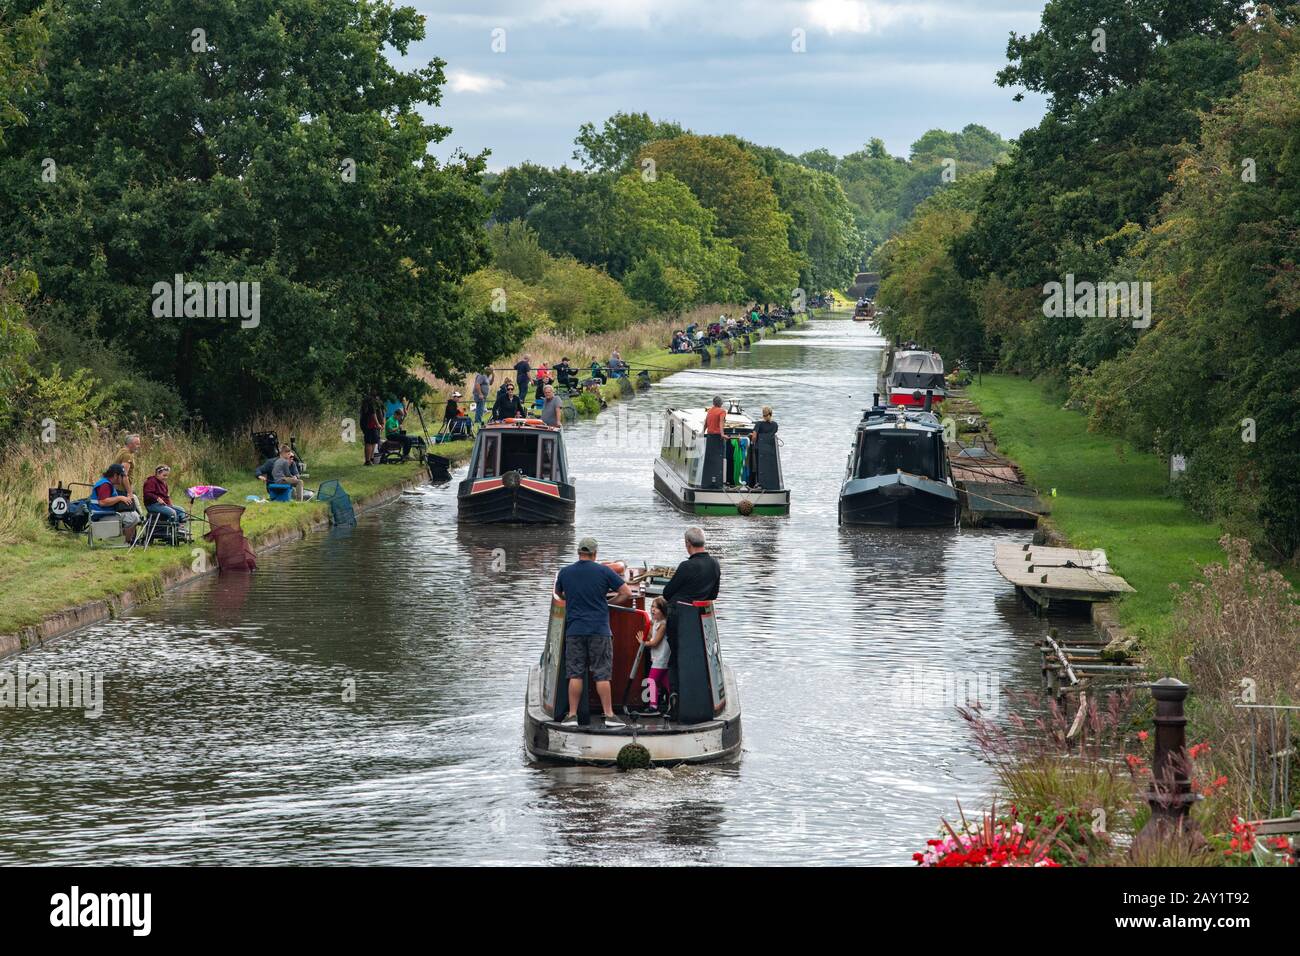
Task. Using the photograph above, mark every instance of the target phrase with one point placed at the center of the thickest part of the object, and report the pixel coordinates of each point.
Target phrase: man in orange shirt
(714, 469)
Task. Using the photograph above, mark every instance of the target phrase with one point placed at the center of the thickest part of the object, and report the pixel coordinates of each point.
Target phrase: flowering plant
(994, 841)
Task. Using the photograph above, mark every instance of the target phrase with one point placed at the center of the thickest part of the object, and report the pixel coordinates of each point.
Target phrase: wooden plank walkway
(1068, 574)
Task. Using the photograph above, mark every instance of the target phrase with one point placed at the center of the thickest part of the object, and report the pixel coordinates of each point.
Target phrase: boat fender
(510, 479)
(745, 507)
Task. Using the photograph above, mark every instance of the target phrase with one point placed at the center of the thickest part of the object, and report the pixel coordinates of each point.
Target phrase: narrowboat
(897, 475)
(698, 723)
(910, 374)
(864, 311)
(518, 473)
(719, 476)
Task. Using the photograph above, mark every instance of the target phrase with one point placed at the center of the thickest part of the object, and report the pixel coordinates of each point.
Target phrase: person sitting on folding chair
(157, 497)
(285, 472)
(565, 376)
(395, 430)
(108, 496)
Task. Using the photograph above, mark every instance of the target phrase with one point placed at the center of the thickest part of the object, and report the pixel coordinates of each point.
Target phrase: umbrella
(204, 492)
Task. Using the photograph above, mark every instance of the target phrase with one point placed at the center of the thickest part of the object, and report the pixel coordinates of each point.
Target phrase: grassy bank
(43, 572)
(1108, 495)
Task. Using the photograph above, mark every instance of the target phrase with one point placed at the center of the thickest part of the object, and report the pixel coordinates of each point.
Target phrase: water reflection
(359, 698)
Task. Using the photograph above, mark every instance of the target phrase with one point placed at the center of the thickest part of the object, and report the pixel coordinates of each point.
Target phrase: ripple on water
(226, 737)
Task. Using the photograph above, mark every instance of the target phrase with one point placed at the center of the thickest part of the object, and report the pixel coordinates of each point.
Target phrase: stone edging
(62, 623)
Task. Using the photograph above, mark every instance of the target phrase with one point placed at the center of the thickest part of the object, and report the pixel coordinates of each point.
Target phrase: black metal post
(1170, 795)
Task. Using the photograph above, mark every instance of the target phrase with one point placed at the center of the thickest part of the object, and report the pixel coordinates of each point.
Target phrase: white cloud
(462, 81)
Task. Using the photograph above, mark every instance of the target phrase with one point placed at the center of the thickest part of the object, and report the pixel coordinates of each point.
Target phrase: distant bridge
(864, 283)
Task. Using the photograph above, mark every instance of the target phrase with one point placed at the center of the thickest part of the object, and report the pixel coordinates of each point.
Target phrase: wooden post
(1170, 795)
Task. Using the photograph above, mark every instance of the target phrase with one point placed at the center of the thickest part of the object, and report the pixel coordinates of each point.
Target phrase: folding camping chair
(460, 428)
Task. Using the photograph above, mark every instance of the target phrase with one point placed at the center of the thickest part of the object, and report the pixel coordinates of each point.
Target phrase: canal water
(359, 699)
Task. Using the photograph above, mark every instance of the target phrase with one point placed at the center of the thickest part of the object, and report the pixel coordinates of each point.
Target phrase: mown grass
(1108, 495)
(45, 572)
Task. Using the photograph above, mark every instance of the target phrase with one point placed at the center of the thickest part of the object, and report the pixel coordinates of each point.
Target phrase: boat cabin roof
(510, 424)
(883, 417)
(927, 362)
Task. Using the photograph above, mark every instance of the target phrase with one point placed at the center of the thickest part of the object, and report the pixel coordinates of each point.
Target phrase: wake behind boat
(723, 474)
(701, 725)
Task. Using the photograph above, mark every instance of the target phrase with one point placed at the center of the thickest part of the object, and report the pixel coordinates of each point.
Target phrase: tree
(729, 183)
(619, 141)
(277, 146)
(1218, 375)
(667, 239)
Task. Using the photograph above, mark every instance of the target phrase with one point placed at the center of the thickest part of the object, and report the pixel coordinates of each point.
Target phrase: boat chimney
(929, 398)
(875, 399)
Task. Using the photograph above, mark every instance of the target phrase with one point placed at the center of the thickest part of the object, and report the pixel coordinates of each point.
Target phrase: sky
(523, 75)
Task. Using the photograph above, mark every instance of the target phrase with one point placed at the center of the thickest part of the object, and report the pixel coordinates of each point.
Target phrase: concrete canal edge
(65, 622)
(62, 623)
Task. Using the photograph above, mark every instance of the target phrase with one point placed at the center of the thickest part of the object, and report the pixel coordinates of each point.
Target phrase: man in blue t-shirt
(585, 586)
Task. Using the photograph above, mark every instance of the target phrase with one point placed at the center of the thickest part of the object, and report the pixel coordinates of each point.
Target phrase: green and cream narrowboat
(734, 473)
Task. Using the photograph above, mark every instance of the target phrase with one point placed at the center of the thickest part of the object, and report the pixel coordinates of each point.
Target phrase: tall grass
(1239, 627)
(550, 345)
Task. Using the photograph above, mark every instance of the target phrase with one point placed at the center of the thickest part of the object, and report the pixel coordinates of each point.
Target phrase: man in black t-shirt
(522, 370)
(699, 577)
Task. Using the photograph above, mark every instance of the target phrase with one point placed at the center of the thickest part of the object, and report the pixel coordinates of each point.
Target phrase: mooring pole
(1170, 795)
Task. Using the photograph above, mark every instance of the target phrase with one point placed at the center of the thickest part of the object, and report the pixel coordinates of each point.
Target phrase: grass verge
(43, 572)
(1108, 495)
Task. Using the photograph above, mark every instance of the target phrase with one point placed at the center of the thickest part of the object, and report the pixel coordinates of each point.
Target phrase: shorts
(371, 435)
(588, 651)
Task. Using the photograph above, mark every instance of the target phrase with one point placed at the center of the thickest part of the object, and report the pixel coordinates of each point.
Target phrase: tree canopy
(255, 143)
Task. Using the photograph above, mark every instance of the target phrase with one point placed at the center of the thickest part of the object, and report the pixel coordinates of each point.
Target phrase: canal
(359, 699)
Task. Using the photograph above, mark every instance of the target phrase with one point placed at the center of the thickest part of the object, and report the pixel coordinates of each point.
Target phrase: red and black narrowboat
(519, 474)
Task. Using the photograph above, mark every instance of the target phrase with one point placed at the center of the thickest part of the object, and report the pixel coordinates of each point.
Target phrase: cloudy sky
(887, 68)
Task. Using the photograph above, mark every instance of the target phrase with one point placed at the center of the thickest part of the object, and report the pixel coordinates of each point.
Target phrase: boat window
(519, 453)
(884, 453)
(488, 465)
(547, 468)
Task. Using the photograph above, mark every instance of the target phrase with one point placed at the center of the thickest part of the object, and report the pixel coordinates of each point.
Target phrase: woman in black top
(764, 427)
(507, 404)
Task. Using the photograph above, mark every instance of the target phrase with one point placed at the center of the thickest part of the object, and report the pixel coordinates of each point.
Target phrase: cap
(115, 469)
(587, 546)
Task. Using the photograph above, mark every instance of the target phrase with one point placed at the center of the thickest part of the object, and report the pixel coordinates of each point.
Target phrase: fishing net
(332, 493)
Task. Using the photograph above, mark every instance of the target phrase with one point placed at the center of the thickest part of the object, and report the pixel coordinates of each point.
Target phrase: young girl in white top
(660, 652)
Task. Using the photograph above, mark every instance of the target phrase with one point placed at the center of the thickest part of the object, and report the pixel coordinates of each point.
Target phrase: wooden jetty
(1081, 665)
(993, 491)
(1045, 574)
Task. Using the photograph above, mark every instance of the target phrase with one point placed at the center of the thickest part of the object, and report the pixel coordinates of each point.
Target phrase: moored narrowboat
(698, 723)
(911, 374)
(518, 473)
(731, 474)
(897, 474)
